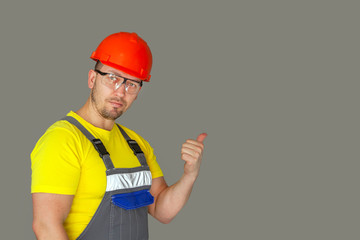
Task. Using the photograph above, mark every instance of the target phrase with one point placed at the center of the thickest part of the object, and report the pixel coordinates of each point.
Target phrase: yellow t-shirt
(64, 161)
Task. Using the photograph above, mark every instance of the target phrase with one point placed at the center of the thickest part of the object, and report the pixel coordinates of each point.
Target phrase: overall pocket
(133, 200)
(130, 220)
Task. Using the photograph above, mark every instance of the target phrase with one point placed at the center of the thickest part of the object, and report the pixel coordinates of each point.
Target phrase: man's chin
(112, 115)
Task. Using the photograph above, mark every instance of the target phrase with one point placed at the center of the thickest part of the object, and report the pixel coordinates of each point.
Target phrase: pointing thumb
(201, 137)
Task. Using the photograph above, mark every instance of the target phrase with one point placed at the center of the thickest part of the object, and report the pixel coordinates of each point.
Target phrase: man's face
(109, 103)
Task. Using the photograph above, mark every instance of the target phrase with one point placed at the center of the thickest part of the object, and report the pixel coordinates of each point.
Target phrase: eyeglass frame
(125, 79)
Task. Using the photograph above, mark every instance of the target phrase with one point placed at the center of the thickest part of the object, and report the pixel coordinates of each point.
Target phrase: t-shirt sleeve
(153, 164)
(55, 163)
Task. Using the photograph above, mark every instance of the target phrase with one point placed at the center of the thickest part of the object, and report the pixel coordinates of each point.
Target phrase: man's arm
(170, 200)
(49, 214)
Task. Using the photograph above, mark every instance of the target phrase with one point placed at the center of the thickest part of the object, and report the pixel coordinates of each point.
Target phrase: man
(93, 179)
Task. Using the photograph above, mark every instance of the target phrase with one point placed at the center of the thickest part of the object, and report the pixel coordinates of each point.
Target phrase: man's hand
(191, 153)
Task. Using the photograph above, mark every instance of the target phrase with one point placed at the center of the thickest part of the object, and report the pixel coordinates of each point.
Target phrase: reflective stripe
(128, 180)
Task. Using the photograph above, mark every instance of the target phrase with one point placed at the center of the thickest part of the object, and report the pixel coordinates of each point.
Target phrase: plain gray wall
(275, 84)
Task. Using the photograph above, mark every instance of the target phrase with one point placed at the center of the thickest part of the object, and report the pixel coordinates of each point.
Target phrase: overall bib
(123, 212)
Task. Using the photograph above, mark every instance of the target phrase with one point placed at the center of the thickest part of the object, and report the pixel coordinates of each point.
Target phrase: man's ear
(91, 78)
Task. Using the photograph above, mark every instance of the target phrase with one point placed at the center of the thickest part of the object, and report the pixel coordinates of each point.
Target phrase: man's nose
(120, 90)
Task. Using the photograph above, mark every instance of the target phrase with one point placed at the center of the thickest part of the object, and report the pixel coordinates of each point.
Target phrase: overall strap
(99, 146)
(134, 146)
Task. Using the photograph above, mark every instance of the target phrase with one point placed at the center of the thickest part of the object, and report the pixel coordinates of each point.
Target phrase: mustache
(118, 100)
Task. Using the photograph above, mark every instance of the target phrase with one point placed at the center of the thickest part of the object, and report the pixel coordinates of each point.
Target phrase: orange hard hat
(126, 52)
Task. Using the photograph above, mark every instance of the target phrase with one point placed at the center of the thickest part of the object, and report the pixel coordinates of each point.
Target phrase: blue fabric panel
(133, 200)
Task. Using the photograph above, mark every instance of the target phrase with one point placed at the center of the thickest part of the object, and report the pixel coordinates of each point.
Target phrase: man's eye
(112, 77)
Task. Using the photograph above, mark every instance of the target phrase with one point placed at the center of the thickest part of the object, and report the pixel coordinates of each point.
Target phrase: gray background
(274, 83)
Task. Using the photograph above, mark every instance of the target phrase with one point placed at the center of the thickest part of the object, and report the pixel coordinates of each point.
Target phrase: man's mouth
(116, 104)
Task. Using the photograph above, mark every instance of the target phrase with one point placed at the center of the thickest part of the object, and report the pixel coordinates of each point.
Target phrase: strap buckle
(134, 146)
(99, 146)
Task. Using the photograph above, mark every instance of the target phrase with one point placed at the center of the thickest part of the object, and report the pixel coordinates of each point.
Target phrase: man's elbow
(165, 220)
(44, 229)
(38, 228)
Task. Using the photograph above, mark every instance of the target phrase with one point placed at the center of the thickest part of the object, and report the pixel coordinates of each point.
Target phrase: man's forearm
(172, 199)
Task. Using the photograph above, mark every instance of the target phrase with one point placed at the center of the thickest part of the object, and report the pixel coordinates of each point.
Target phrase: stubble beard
(110, 115)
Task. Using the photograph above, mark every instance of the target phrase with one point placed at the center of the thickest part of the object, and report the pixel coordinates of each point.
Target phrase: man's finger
(201, 137)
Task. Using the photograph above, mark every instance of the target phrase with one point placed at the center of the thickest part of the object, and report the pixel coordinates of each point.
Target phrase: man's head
(123, 61)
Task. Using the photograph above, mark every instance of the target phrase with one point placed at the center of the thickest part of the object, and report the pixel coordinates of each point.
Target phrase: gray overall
(110, 221)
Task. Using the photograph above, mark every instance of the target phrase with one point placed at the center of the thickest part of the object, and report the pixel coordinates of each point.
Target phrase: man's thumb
(201, 137)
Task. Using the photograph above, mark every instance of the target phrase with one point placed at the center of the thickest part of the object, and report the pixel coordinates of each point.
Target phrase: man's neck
(89, 114)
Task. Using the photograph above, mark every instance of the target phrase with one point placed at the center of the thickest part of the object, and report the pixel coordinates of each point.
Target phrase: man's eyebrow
(135, 80)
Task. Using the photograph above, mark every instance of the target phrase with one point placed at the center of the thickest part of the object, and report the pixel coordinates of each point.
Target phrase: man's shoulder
(61, 129)
(59, 138)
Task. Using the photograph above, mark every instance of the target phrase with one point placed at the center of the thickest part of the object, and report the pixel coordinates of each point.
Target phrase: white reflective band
(128, 180)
